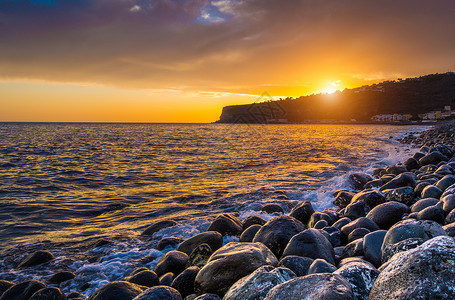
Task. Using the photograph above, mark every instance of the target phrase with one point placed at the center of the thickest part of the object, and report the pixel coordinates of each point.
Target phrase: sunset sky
(182, 61)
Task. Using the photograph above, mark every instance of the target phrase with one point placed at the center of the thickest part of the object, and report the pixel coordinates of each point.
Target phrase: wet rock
(313, 287)
(173, 261)
(445, 182)
(297, 264)
(396, 169)
(167, 279)
(310, 243)
(171, 241)
(335, 238)
(184, 283)
(230, 263)
(199, 256)
(354, 248)
(450, 229)
(431, 191)
(145, 278)
(403, 195)
(272, 208)
(411, 164)
(249, 233)
(445, 150)
(341, 222)
(374, 184)
(419, 187)
(405, 245)
(321, 224)
(116, 290)
(370, 197)
(343, 198)
(158, 226)
(23, 290)
(211, 238)
(449, 191)
(208, 297)
(36, 258)
(4, 285)
(226, 224)
(259, 283)
(418, 155)
(434, 213)
(60, 277)
(372, 244)
(423, 203)
(74, 295)
(50, 293)
(448, 203)
(252, 220)
(428, 168)
(358, 180)
(321, 266)
(426, 272)
(356, 210)
(450, 217)
(387, 214)
(407, 179)
(432, 158)
(359, 223)
(277, 232)
(319, 216)
(361, 276)
(160, 292)
(302, 212)
(357, 233)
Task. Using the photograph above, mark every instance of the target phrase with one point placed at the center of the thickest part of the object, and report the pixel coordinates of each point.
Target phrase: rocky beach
(389, 236)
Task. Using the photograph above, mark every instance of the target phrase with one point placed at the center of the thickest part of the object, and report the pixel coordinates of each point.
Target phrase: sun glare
(333, 87)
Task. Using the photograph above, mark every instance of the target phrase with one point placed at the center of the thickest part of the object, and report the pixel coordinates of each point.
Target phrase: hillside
(410, 96)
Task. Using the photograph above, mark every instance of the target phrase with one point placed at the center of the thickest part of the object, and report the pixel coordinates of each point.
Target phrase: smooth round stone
(372, 244)
(170, 242)
(312, 287)
(403, 195)
(424, 203)
(160, 292)
(211, 238)
(354, 248)
(318, 216)
(272, 208)
(321, 224)
(405, 245)
(370, 197)
(448, 203)
(116, 290)
(226, 224)
(407, 179)
(50, 293)
(411, 164)
(184, 282)
(432, 158)
(302, 212)
(4, 285)
(419, 187)
(173, 261)
(167, 279)
(145, 278)
(23, 290)
(443, 149)
(433, 213)
(445, 182)
(396, 169)
(359, 223)
(343, 198)
(450, 229)
(358, 180)
(252, 220)
(374, 184)
(341, 222)
(357, 233)
(387, 214)
(431, 192)
(208, 297)
(418, 155)
(450, 217)
(297, 264)
(335, 238)
(449, 191)
(361, 276)
(60, 277)
(36, 258)
(199, 256)
(356, 210)
(158, 226)
(321, 266)
(249, 233)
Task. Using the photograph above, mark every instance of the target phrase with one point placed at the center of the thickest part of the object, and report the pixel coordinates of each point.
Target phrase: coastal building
(391, 118)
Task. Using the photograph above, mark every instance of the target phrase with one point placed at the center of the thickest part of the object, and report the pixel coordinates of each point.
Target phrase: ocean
(63, 186)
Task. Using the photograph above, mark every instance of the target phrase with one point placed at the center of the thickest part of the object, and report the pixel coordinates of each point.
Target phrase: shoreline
(349, 257)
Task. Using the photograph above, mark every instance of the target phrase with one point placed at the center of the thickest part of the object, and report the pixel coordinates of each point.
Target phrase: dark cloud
(222, 44)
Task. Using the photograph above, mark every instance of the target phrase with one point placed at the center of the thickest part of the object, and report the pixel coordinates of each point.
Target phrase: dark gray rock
(321, 266)
(297, 264)
(199, 256)
(116, 290)
(374, 184)
(450, 229)
(432, 158)
(419, 188)
(211, 238)
(166, 242)
(167, 279)
(431, 191)
(372, 244)
(449, 191)
(357, 233)
(184, 282)
(396, 169)
(50, 293)
(445, 182)
(341, 222)
(354, 248)
(137, 270)
(310, 243)
(313, 287)
(356, 210)
(403, 195)
(173, 261)
(358, 180)
(230, 263)
(321, 224)
(158, 226)
(259, 283)
(370, 197)
(252, 220)
(342, 199)
(302, 212)
(277, 232)
(407, 179)
(272, 208)
(145, 278)
(445, 150)
(318, 216)
(424, 203)
(434, 213)
(36, 258)
(418, 155)
(208, 297)
(411, 164)
(450, 217)
(23, 290)
(448, 203)
(359, 223)
(405, 245)
(426, 272)
(428, 168)
(161, 293)
(387, 214)
(361, 276)
(335, 238)
(249, 233)
(226, 224)
(60, 277)
(4, 285)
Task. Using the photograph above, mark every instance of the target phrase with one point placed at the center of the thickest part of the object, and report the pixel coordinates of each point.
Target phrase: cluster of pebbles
(391, 237)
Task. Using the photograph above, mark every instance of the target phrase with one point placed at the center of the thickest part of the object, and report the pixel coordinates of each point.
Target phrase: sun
(333, 86)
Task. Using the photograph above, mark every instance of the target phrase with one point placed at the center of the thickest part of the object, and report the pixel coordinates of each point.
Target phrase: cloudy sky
(182, 60)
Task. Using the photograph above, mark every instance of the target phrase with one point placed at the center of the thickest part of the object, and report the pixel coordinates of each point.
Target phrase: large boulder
(161, 293)
(311, 243)
(116, 290)
(313, 287)
(230, 263)
(277, 232)
(173, 261)
(259, 283)
(426, 272)
(36, 258)
(302, 211)
(211, 238)
(361, 276)
(387, 214)
(226, 224)
(372, 245)
(23, 290)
